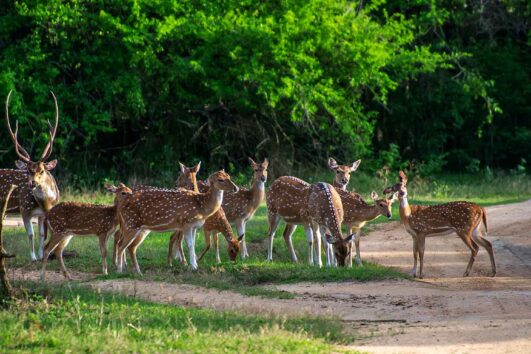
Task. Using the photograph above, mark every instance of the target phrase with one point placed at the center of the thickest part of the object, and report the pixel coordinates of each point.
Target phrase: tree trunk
(5, 291)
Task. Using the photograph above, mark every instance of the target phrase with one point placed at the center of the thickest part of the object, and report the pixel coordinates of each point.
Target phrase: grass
(74, 319)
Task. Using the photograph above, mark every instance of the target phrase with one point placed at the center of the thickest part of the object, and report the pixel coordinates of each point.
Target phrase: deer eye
(221, 180)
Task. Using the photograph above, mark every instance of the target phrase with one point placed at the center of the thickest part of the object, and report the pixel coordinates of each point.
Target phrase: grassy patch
(70, 318)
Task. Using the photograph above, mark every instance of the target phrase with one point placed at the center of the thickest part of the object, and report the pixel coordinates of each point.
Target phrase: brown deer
(163, 210)
(213, 225)
(317, 207)
(241, 206)
(342, 172)
(69, 219)
(37, 190)
(357, 212)
(463, 218)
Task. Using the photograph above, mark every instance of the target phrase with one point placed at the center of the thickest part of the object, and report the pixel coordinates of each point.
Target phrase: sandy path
(441, 313)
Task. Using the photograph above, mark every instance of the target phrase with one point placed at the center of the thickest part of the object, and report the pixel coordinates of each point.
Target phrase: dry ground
(441, 313)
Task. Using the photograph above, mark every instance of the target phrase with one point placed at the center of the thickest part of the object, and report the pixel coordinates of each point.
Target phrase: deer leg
(216, 243)
(128, 236)
(309, 237)
(189, 234)
(240, 226)
(180, 253)
(421, 241)
(103, 251)
(116, 245)
(415, 255)
(134, 246)
(486, 245)
(330, 258)
(318, 236)
(273, 220)
(207, 244)
(29, 230)
(288, 233)
(42, 237)
(474, 248)
(59, 255)
(49, 248)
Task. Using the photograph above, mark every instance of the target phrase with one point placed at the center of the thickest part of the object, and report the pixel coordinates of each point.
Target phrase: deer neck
(405, 208)
(211, 201)
(257, 192)
(343, 187)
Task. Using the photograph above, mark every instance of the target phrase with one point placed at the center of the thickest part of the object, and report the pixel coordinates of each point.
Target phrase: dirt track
(443, 312)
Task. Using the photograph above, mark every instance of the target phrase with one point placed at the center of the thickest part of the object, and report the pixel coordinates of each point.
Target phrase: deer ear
(265, 164)
(50, 165)
(184, 169)
(374, 195)
(21, 165)
(350, 237)
(354, 166)
(403, 177)
(330, 239)
(251, 162)
(111, 188)
(241, 237)
(332, 164)
(196, 168)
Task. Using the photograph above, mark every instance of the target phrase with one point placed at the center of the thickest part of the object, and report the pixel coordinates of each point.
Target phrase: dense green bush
(146, 83)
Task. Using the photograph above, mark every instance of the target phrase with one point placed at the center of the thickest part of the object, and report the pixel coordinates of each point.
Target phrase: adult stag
(37, 190)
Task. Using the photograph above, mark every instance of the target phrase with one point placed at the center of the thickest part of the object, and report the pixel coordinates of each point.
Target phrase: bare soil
(441, 313)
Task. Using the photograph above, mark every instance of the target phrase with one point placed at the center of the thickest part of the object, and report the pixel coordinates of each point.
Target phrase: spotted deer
(163, 210)
(357, 212)
(463, 218)
(317, 207)
(69, 219)
(37, 190)
(241, 206)
(215, 224)
(342, 172)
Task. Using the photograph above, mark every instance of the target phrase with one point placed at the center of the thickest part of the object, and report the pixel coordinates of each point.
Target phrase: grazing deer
(164, 210)
(215, 224)
(357, 212)
(241, 206)
(37, 190)
(463, 218)
(69, 219)
(342, 172)
(317, 207)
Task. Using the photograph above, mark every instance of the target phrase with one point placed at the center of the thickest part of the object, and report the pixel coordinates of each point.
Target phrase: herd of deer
(216, 203)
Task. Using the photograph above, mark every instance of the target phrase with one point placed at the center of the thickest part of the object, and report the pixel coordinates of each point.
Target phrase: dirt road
(441, 313)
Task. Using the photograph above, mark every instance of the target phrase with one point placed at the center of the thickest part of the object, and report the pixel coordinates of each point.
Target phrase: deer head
(399, 187)
(342, 172)
(221, 181)
(40, 179)
(260, 169)
(233, 247)
(188, 177)
(384, 206)
(121, 191)
(341, 248)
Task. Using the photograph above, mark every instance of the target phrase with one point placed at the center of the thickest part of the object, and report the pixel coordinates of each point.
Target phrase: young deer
(357, 213)
(37, 191)
(215, 224)
(66, 220)
(342, 172)
(317, 207)
(240, 207)
(463, 218)
(164, 210)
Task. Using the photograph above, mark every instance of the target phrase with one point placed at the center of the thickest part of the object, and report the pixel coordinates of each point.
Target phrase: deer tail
(484, 217)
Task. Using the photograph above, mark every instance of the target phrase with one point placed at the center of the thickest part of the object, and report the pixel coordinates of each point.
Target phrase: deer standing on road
(317, 207)
(163, 210)
(215, 224)
(357, 212)
(69, 219)
(463, 218)
(37, 190)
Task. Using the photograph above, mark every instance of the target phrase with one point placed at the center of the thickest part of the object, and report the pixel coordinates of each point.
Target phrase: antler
(48, 149)
(21, 152)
